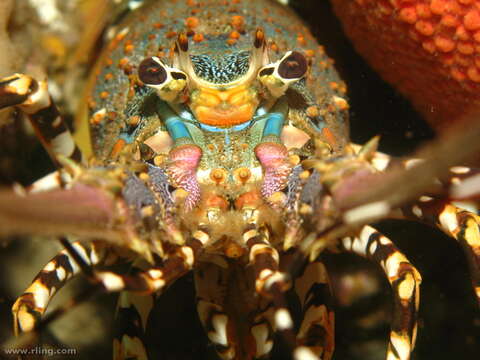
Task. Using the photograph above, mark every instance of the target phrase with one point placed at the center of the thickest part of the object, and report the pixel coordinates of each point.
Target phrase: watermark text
(38, 351)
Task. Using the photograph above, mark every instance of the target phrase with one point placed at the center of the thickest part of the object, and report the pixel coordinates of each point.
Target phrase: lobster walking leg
(316, 333)
(130, 323)
(32, 97)
(211, 308)
(460, 224)
(154, 279)
(32, 304)
(405, 281)
(262, 332)
(29, 307)
(134, 304)
(438, 211)
(224, 313)
(133, 308)
(270, 283)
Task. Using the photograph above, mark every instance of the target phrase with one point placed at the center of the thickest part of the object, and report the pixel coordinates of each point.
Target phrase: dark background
(449, 319)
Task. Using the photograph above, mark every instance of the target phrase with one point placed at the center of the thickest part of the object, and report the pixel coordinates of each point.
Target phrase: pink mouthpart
(277, 168)
(182, 170)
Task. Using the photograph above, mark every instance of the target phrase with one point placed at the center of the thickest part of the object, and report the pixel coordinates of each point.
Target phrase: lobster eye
(178, 75)
(266, 71)
(151, 72)
(294, 66)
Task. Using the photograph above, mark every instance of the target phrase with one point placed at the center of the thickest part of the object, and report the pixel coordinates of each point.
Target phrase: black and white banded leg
(31, 305)
(460, 224)
(130, 325)
(270, 282)
(405, 281)
(315, 338)
(211, 308)
(32, 97)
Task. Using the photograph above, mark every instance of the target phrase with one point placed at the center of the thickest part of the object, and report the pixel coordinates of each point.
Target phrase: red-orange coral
(429, 49)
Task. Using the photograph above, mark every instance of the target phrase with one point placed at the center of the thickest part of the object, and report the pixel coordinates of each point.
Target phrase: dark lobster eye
(178, 75)
(266, 71)
(294, 66)
(151, 72)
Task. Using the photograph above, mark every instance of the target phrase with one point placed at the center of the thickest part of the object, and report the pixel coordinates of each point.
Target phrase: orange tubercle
(119, 145)
(192, 22)
(248, 199)
(233, 250)
(328, 134)
(242, 174)
(215, 201)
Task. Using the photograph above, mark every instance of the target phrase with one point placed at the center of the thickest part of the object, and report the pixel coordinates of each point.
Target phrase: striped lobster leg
(211, 285)
(405, 281)
(263, 332)
(460, 184)
(156, 278)
(133, 308)
(138, 291)
(315, 338)
(460, 224)
(270, 282)
(31, 305)
(211, 282)
(131, 318)
(130, 324)
(225, 310)
(32, 98)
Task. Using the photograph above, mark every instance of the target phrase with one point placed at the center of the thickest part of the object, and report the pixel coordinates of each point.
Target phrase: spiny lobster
(220, 140)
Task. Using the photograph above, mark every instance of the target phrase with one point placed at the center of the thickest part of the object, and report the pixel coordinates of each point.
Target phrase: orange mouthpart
(224, 108)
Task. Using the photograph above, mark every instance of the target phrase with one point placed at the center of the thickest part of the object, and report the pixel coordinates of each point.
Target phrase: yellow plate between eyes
(224, 108)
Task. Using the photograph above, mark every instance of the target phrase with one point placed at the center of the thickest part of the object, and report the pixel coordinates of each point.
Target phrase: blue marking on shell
(274, 124)
(175, 125)
(129, 138)
(227, 138)
(217, 129)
